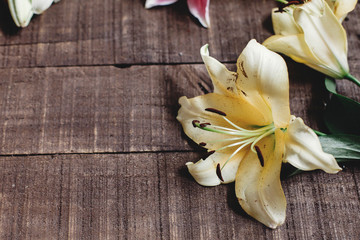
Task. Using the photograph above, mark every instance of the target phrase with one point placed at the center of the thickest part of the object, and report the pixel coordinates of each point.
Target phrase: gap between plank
(120, 65)
(95, 153)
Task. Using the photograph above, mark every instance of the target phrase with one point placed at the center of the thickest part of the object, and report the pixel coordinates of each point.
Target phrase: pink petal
(154, 3)
(200, 10)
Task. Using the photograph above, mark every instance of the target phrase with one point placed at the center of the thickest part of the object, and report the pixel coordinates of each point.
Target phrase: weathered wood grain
(104, 77)
(123, 32)
(151, 196)
(109, 109)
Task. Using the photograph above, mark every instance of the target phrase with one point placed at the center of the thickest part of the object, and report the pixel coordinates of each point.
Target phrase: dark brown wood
(109, 109)
(94, 109)
(151, 196)
(123, 32)
(89, 143)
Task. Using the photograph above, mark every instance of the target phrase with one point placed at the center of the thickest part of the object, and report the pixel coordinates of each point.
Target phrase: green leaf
(342, 114)
(341, 146)
(330, 85)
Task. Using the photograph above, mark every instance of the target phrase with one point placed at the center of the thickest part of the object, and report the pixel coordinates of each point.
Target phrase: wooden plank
(108, 109)
(151, 196)
(123, 32)
(102, 109)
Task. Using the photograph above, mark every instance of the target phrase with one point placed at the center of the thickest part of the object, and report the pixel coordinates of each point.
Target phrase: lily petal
(284, 23)
(200, 10)
(341, 7)
(304, 151)
(258, 187)
(264, 79)
(295, 47)
(154, 3)
(39, 6)
(224, 81)
(239, 112)
(324, 34)
(21, 12)
(204, 171)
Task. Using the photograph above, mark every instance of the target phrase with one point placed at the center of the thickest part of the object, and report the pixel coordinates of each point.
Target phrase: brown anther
(260, 156)
(202, 144)
(213, 110)
(194, 122)
(218, 172)
(202, 125)
(295, 2)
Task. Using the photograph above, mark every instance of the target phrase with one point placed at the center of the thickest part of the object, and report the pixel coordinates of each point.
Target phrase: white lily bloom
(246, 123)
(310, 33)
(23, 10)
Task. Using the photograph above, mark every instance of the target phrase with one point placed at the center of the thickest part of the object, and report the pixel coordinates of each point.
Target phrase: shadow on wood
(7, 24)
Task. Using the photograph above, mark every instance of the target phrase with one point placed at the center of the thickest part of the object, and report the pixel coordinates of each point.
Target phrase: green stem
(319, 133)
(352, 78)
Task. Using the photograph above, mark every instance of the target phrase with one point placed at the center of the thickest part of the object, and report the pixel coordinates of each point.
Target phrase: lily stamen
(235, 152)
(242, 143)
(244, 137)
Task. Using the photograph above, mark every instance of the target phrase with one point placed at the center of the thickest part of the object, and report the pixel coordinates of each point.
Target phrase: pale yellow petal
(304, 151)
(331, 4)
(224, 81)
(284, 23)
(258, 187)
(295, 47)
(341, 7)
(204, 171)
(324, 35)
(264, 80)
(21, 12)
(239, 112)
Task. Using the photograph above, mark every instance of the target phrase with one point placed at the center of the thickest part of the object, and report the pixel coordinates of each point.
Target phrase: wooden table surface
(89, 144)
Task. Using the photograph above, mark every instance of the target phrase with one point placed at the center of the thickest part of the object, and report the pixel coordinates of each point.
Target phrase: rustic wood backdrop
(89, 144)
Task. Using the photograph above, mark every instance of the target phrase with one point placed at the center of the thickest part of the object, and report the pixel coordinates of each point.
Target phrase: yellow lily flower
(246, 125)
(310, 33)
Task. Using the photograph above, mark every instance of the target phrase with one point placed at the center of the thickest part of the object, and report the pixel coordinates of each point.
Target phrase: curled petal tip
(155, 3)
(275, 225)
(304, 151)
(200, 10)
(203, 172)
(204, 50)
